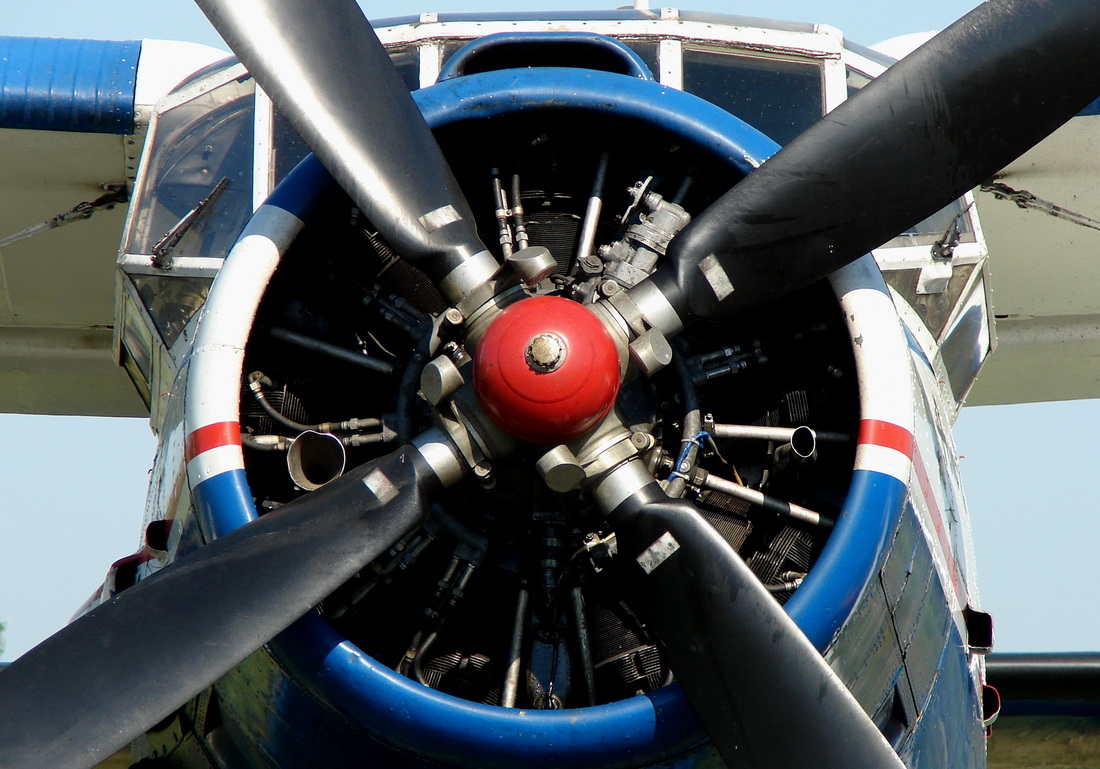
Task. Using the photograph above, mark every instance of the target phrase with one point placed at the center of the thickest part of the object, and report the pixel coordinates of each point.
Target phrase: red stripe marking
(212, 437)
(887, 434)
(136, 558)
(936, 514)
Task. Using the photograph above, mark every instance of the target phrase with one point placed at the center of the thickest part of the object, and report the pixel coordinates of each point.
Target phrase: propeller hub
(546, 370)
(546, 353)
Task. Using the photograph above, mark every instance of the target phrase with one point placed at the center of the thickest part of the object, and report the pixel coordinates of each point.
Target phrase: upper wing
(1041, 218)
(73, 116)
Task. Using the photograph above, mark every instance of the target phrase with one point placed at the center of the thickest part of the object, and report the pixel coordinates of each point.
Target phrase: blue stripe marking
(1092, 109)
(85, 86)
(301, 190)
(851, 558)
(914, 345)
(223, 503)
(490, 94)
(645, 729)
(495, 93)
(457, 732)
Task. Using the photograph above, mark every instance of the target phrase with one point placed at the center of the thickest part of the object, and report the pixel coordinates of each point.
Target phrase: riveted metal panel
(68, 85)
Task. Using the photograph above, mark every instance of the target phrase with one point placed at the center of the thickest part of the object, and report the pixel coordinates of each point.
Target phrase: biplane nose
(548, 371)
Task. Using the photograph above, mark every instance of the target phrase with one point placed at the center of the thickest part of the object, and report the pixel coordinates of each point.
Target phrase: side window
(779, 97)
(199, 145)
(407, 63)
(856, 80)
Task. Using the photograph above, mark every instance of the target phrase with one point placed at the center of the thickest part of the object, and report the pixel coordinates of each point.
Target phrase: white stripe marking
(380, 486)
(658, 552)
(440, 217)
(214, 462)
(883, 460)
(716, 276)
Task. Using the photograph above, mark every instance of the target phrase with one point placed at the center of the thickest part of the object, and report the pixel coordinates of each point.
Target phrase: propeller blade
(112, 674)
(326, 71)
(765, 695)
(936, 124)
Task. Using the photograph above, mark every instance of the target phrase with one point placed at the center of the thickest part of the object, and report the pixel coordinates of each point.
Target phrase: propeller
(323, 66)
(115, 672)
(935, 125)
(765, 695)
(118, 670)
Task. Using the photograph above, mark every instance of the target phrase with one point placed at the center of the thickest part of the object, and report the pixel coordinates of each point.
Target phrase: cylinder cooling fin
(506, 601)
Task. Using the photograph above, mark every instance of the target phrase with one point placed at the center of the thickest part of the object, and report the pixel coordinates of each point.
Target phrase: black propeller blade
(325, 69)
(118, 670)
(115, 672)
(765, 695)
(935, 125)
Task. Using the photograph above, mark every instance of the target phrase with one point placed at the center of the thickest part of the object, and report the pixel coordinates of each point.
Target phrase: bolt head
(546, 352)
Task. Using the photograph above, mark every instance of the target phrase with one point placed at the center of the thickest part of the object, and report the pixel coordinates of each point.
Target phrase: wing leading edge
(73, 117)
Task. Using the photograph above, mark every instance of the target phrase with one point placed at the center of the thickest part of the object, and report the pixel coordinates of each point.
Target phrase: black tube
(333, 351)
(1045, 676)
(410, 378)
(693, 423)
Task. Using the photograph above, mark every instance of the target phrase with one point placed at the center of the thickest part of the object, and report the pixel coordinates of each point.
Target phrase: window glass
(171, 301)
(645, 48)
(949, 224)
(449, 47)
(407, 63)
(778, 97)
(137, 347)
(647, 52)
(288, 147)
(197, 145)
(856, 80)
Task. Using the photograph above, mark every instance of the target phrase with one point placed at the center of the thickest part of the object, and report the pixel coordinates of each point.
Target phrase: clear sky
(73, 488)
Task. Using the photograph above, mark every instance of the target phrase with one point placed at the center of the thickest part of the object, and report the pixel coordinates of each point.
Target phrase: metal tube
(765, 433)
(592, 213)
(315, 459)
(354, 441)
(693, 425)
(583, 642)
(333, 351)
(682, 191)
(265, 442)
(257, 380)
(515, 661)
(418, 660)
(768, 502)
(517, 215)
(500, 210)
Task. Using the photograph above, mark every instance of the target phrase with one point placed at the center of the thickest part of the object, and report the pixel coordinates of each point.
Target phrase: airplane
(777, 343)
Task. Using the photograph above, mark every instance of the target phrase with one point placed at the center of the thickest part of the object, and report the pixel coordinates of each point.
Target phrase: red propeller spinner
(547, 370)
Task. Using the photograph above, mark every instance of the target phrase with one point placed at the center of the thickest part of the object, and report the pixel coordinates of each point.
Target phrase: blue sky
(73, 488)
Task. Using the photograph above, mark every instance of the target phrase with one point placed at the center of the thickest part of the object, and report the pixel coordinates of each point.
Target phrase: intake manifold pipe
(314, 459)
